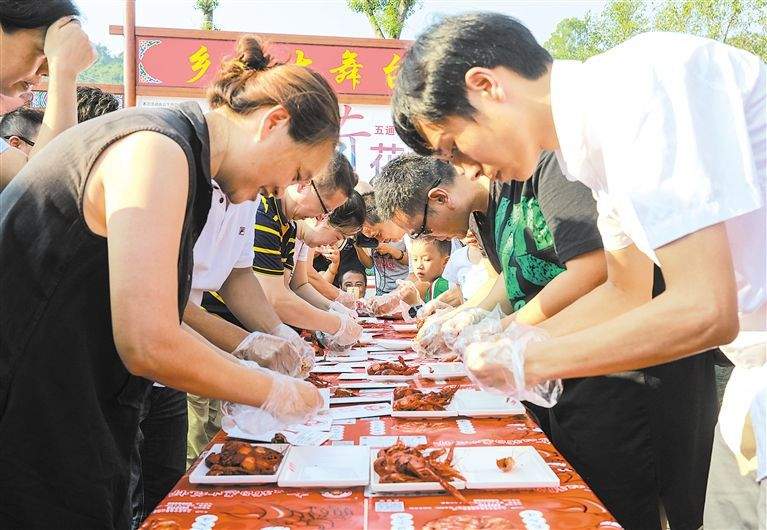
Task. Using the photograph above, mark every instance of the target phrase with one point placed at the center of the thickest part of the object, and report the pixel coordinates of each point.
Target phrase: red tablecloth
(571, 505)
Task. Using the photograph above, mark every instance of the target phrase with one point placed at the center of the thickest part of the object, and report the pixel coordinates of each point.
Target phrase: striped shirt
(275, 239)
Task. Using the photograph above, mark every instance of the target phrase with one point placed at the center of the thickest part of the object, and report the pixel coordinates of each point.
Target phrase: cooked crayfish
(387, 368)
(345, 392)
(317, 381)
(240, 458)
(400, 463)
(413, 399)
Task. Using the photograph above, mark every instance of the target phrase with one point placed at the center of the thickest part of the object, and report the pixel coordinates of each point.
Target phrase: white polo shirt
(226, 243)
(670, 133)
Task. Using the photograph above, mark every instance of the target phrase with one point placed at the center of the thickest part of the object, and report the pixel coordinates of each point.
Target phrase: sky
(315, 17)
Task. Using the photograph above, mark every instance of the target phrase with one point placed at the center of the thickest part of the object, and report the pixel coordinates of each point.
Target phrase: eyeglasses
(326, 212)
(423, 231)
(24, 139)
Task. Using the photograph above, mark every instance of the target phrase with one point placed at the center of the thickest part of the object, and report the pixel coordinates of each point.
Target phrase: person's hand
(428, 341)
(292, 400)
(348, 333)
(432, 307)
(67, 48)
(305, 349)
(499, 364)
(340, 309)
(332, 254)
(274, 353)
(462, 319)
(347, 299)
(408, 292)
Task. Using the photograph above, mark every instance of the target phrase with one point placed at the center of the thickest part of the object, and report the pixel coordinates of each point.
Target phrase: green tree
(741, 23)
(107, 69)
(207, 7)
(386, 17)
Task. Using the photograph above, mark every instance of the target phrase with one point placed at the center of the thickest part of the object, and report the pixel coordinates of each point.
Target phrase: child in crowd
(429, 257)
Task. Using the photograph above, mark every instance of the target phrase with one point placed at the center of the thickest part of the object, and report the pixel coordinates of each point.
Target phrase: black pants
(161, 446)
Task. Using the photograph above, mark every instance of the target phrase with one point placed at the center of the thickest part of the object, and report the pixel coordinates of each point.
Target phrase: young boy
(429, 259)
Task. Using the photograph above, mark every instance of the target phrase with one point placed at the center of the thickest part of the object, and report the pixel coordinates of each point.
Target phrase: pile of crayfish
(387, 368)
(240, 458)
(400, 463)
(413, 399)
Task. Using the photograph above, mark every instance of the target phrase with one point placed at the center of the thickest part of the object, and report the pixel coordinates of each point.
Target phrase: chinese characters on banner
(365, 70)
(367, 135)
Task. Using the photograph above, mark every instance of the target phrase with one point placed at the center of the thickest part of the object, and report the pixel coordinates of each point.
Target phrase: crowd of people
(582, 236)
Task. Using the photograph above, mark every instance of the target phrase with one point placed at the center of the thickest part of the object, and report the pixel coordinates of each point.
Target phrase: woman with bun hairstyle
(110, 209)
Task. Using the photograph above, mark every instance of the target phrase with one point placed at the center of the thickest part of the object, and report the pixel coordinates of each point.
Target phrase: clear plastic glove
(499, 365)
(433, 307)
(408, 292)
(305, 349)
(290, 401)
(272, 352)
(348, 333)
(339, 309)
(428, 341)
(386, 304)
(460, 321)
(347, 300)
(489, 328)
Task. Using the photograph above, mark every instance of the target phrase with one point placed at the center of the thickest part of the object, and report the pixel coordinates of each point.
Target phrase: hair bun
(250, 53)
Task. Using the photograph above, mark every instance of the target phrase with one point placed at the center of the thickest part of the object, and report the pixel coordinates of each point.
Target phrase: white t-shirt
(670, 133)
(462, 272)
(226, 243)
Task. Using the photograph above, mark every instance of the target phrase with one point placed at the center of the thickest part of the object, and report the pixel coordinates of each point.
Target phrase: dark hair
(350, 216)
(403, 184)
(444, 247)
(351, 268)
(26, 14)
(22, 122)
(92, 102)
(252, 80)
(371, 210)
(339, 176)
(430, 84)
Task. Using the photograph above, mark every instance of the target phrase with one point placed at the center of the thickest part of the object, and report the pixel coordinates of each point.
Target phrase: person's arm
(364, 256)
(299, 284)
(329, 274)
(68, 52)
(400, 256)
(583, 274)
(319, 281)
(215, 329)
(628, 285)
(11, 162)
(245, 298)
(295, 311)
(697, 311)
(143, 210)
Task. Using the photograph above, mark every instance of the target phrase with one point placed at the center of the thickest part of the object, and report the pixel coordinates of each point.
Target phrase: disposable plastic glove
(270, 351)
(304, 348)
(339, 309)
(433, 307)
(348, 333)
(347, 300)
(499, 365)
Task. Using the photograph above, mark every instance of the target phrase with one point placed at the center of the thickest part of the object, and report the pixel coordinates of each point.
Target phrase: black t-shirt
(532, 228)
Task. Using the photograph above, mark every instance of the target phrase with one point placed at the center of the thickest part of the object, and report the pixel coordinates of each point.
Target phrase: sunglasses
(423, 231)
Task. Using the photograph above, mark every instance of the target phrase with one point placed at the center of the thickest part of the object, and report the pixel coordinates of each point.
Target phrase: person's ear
(14, 141)
(484, 82)
(275, 118)
(440, 196)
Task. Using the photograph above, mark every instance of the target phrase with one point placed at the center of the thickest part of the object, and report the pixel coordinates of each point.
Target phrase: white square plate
(394, 344)
(437, 371)
(479, 468)
(449, 412)
(481, 403)
(404, 328)
(353, 376)
(394, 487)
(393, 356)
(355, 358)
(200, 473)
(325, 467)
(391, 377)
(366, 396)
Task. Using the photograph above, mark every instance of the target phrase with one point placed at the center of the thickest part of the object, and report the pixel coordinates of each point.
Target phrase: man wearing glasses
(20, 127)
(277, 250)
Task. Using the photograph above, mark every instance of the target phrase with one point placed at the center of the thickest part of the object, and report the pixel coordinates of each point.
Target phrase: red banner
(181, 62)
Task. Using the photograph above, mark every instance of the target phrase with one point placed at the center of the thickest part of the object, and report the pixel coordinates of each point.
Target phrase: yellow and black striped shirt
(275, 239)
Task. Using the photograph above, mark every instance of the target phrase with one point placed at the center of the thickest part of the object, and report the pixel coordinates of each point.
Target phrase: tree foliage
(386, 17)
(741, 23)
(107, 69)
(207, 7)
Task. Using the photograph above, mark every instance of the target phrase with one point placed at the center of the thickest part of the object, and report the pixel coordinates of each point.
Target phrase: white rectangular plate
(332, 369)
(366, 396)
(326, 466)
(387, 441)
(449, 412)
(479, 468)
(371, 385)
(393, 356)
(371, 410)
(401, 487)
(353, 376)
(437, 371)
(200, 473)
(404, 328)
(356, 358)
(481, 403)
(391, 377)
(394, 344)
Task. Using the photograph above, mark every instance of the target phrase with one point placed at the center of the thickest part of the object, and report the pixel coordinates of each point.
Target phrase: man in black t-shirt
(541, 235)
